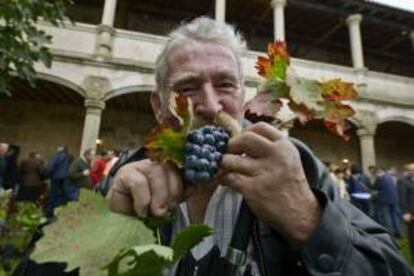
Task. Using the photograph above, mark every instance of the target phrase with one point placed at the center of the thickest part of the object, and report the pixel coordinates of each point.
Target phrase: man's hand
(265, 167)
(145, 187)
(86, 172)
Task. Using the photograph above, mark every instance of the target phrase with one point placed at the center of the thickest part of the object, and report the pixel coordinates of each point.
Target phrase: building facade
(96, 92)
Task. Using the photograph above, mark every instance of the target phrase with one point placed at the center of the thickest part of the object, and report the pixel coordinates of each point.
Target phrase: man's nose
(207, 104)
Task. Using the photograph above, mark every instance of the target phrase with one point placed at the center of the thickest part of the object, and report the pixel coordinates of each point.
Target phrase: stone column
(354, 22)
(220, 12)
(108, 15)
(95, 87)
(92, 123)
(367, 148)
(106, 30)
(412, 40)
(278, 19)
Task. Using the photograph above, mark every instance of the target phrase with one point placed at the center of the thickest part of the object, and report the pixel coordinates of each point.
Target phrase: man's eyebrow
(189, 77)
(226, 74)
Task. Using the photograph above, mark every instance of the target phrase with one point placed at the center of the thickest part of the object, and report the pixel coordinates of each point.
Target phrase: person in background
(32, 172)
(394, 173)
(57, 169)
(79, 175)
(11, 175)
(406, 196)
(342, 186)
(3, 151)
(358, 189)
(386, 205)
(98, 167)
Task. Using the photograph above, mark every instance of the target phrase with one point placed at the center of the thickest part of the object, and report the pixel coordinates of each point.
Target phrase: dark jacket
(76, 175)
(387, 190)
(58, 166)
(347, 242)
(32, 172)
(406, 193)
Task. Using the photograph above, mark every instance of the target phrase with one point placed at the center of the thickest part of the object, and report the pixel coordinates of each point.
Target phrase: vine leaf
(305, 92)
(153, 259)
(145, 260)
(166, 141)
(307, 99)
(275, 64)
(188, 238)
(89, 236)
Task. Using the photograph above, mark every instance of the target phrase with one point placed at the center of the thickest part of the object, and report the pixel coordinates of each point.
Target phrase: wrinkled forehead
(202, 52)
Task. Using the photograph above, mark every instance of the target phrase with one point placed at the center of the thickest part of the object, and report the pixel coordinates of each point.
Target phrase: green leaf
(188, 238)
(305, 92)
(278, 69)
(146, 260)
(89, 236)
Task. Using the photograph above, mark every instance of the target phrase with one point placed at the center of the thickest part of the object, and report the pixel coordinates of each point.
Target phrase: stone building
(96, 93)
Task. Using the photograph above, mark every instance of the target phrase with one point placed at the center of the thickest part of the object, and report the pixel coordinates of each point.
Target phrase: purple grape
(203, 152)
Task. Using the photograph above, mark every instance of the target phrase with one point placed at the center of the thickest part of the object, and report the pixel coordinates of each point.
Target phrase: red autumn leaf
(275, 64)
(166, 141)
(337, 90)
(278, 49)
(303, 113)
(263, 65)
(341, 128)
(264, 104)
(337, 112)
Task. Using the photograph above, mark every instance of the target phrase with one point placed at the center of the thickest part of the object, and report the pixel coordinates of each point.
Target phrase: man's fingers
(249, 143)
(140, 195)
(158, 181)
(235, 180)
(120, 201)
(266, 130)
(175, 185)
(237, 163)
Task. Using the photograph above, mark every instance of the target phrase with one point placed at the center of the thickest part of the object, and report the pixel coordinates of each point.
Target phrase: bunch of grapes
(203, 151)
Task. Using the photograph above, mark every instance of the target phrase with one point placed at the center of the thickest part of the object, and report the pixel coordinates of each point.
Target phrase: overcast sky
(401, 4)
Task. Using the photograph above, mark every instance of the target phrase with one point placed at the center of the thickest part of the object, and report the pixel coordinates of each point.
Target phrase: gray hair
(200, 29)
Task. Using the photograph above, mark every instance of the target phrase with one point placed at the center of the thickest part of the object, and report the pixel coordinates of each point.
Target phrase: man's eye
(185, 90)
(226, 84)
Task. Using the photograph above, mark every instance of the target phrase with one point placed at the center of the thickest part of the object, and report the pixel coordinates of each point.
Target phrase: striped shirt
(221, 215)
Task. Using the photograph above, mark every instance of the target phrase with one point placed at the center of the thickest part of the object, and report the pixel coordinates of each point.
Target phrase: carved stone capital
(364, 132)
(105, 28)
(96, 87)
(354, 19)
(278, 3)
(93, 104)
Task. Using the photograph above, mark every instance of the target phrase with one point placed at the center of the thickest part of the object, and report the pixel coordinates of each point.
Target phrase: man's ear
(156, 106)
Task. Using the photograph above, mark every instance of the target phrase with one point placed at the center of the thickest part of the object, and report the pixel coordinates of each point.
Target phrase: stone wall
(41, 127)
(394, 144)
(327, 146)
(122, 129)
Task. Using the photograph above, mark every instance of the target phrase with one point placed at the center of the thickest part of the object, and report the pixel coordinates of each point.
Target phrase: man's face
(208, 74)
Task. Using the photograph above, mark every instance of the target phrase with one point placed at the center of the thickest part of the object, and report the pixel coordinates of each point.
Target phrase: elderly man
(304, 229)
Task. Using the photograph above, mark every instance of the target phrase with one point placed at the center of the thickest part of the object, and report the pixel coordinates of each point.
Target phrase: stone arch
(397, 118)
(62, 81)
(141, 88)
(394, 143)
(326, 145)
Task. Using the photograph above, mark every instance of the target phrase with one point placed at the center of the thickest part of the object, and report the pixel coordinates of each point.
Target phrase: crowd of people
(56, 181)
(386, 195)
